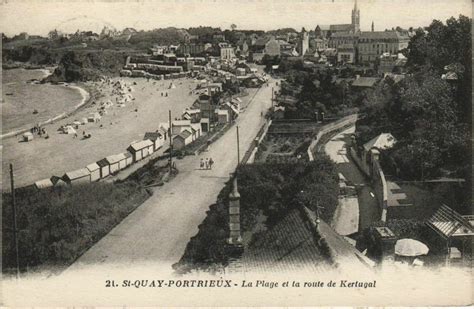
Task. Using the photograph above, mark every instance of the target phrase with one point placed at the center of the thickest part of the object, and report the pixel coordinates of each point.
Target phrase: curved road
(368, 207)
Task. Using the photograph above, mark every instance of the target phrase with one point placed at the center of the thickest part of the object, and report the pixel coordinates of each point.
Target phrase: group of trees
(267, 191)
(428, 115)
(323, 90)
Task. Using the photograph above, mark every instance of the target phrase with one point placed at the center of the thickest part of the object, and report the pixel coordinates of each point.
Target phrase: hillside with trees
(428, 115)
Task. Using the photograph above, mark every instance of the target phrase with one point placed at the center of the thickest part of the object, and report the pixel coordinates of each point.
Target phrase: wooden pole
(272, 98)
(15, 238)
(238, 147)
(171, 143)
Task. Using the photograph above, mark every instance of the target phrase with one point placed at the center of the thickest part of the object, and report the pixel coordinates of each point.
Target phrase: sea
(25, 103)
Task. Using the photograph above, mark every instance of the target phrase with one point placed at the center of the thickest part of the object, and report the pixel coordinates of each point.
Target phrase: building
(114, 162)
(319, 44)
(364, 82)
(279, 112)
(346, 53)
(94, 171)
(104, 168)
(182, 139)
(265, 46)
(371, 45)
(43, 184)
(178, 126)
(156, 138)
(303, 42)
(191, 49)
(141, 150)
(389, 63)
(353, 27)
(342, 38)
(227, 53)
(79, 176)
(222, 116)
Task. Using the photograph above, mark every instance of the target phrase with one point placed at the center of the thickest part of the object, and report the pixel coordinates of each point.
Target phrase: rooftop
(382, 141)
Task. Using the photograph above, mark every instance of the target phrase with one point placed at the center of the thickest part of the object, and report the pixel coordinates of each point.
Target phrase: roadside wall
(375, 173)
(249, 155)
(380, 186)
(336, 125)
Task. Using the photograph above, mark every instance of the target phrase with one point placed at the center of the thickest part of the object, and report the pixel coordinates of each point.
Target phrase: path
(367, 211)
(158, 231)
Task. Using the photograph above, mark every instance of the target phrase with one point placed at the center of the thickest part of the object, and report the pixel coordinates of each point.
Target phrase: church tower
(355, 18)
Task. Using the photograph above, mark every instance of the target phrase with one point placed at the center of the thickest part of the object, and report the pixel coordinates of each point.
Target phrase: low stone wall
(249, 155)
(336, 125)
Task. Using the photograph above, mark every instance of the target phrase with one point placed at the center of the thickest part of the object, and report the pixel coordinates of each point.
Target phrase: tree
(233, 27)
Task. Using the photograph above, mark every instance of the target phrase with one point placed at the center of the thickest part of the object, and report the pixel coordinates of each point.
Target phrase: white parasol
(410, 247)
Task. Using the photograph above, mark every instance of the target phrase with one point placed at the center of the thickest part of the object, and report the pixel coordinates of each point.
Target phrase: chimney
(235, 238)
(372, 26)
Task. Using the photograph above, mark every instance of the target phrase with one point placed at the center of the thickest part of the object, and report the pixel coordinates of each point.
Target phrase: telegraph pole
(238, 147)
(272, 98)
(171, 143)
(15, 237)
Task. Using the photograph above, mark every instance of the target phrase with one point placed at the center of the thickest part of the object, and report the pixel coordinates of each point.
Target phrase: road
(158, 231)
(368, 207)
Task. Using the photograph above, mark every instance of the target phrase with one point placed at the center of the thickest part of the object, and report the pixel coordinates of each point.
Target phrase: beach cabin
(57, 181)
(69, 130)
(182, 139)
(141, 150)
(94, 170)
(178, 126)
(222, 116)
(156, 138)
(114, 163)
(94, 117)
(128, 158)
(44, 184)
(104, 168)
(196, 130)
(79, 176)
(122, 160)
(28, 136)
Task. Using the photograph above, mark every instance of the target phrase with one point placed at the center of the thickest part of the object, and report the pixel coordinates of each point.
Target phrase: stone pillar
(235, 238)
(385, 240)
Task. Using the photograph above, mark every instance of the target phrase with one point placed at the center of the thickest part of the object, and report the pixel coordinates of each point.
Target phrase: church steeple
(355, 18)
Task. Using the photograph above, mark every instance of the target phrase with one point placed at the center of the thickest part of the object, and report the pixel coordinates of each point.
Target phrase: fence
(336, 125)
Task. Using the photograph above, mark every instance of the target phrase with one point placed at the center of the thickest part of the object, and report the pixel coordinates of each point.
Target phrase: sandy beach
(43, 158)
(26, 104)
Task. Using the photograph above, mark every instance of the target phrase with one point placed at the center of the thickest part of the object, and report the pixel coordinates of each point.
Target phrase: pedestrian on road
(202, 163)
(211, 162)
(207, 163)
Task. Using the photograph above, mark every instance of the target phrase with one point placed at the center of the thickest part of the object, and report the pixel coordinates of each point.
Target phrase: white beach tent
(28, 136)
(69, 130)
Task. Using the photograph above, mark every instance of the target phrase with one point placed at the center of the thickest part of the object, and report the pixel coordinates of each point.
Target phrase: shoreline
(86, 96)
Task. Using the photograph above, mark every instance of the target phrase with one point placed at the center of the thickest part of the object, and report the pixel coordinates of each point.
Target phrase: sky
(39, 17)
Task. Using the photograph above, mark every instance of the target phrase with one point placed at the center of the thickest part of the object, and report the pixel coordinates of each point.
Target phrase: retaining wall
(336, 125)
(249, 155)
(375, 173)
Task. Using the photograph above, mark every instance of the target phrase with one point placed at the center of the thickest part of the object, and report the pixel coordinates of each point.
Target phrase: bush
(57, 226)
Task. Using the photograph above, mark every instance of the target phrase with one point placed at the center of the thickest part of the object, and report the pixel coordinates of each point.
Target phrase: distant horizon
(38, 18)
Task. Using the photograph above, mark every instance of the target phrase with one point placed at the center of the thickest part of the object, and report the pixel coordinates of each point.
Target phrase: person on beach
(207, 163)
(201, 164)
(211, 162)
